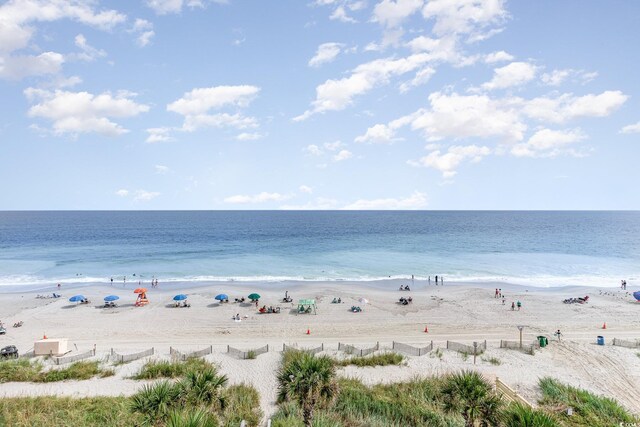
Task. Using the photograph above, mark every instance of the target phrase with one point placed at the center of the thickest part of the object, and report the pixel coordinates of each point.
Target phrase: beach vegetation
(171, 368)
(588, 408)
(464, 355)
(203, 387)
(193, 417)
(241, 403)
(493, 360)
(251, 354)
(518, 415)
(24, 370)
(382, 359)
(52, 411)
(437, 353)
(467, 393)
(308, 380)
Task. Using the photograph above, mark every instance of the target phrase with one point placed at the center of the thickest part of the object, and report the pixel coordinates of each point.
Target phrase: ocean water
(534, 248)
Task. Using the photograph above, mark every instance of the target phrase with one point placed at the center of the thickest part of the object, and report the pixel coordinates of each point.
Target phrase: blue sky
(319, 104)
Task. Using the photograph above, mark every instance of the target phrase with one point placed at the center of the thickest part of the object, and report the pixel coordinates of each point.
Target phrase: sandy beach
(457, 312)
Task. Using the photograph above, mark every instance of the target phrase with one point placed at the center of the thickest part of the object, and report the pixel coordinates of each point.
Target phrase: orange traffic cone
(426, 330)
(308, 332)
(604, 325)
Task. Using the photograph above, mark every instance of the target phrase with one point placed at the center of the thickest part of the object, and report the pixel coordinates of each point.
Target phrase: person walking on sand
(436, 280)
(503, 299)
(496, 294)
(513, 306)
(558, 334)
(500, 292)
(429, 280)
(519, 304)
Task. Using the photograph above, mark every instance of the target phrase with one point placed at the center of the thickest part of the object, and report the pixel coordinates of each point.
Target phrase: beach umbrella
(140, 291)
(636, 295)
(180, 297)
(254, 296)
(77, 298)
(222, 297)
(363, 300)
(111, 298)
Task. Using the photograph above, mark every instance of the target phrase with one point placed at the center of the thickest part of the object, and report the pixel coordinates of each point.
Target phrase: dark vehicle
(9, 352)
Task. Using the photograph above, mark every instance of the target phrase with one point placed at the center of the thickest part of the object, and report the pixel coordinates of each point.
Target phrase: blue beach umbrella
(77, 298)
(222, 297)
(180, 297)
(111, 298)
(636, 295)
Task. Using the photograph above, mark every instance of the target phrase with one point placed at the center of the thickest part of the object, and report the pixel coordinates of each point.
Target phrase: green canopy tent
(306, 306)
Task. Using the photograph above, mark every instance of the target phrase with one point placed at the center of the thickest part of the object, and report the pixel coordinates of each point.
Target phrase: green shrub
(588, 408)
(242, 402)
(171, 369)
(383, 359)
(517, 415)
(23, 370)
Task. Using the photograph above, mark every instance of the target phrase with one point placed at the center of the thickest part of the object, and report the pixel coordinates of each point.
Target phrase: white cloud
(463, 16)
(333, 146)
(257, 198)
(556, 77)
(342, 155)
(314, 150)
(161, 169)
(547, 143)
(161, 134)
(138, 195)
(143, 30)
(16, 31)
(567, 106)
(457, 116)
(386, 134)
(163, 7)
(513, 74)
(499, 56)
(391, 13)
(325, 53)
(201, 100)
(415, 201)
(83, 112)
(340, 14)
(88, 53)
(19, 66)
(144, 196)
(320, 203)
(246, 136)
(448, 162)
(195, 106)
(305, 189)
(422, 76)
(634, 128)
(335, 95)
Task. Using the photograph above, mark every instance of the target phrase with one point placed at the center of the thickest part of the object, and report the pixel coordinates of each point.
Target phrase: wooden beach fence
(411, 350)
(349, 349)
(74, 357)
(510, 395)
(515, 345)
(626, 343)
(242, 354)
(191, 355)
(124, 358)
(315, 350)
(468, 349)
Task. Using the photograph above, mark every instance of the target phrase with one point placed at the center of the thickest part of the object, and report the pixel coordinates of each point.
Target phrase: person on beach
(496, 294)
(513, 306)
(112, 281)
(436, 280)
(519, 304)
(503, 299)
(429, 280)
(500, 292)
(558, 334)
(58, 286)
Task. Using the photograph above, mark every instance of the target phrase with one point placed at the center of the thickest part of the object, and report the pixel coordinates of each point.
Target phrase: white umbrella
(363, 300)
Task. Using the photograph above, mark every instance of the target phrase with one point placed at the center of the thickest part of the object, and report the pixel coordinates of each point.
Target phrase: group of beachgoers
(154, 281)
(514, 304)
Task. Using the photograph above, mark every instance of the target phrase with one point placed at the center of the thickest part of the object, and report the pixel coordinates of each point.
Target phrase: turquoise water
(537, 248)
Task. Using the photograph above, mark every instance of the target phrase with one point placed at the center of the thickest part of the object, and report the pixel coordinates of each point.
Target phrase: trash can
(600, 340)
(542, 340)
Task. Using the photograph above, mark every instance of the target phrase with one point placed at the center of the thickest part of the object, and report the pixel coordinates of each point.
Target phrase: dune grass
(23, 370)
(171, 369)
(588, 408)
(51, 411)
(382, 359)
